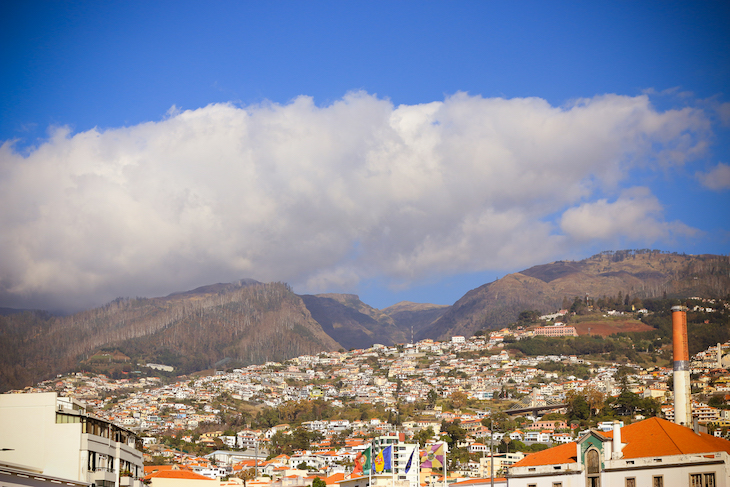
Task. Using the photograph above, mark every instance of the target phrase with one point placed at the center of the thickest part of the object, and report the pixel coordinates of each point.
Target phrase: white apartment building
(402, 454)
(56, 437)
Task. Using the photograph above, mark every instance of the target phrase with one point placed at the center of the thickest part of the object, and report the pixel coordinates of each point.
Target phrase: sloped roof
(479, 481)
(556, 455)
(656, 437)
(653, 437)
(177, 474)
(155, 468)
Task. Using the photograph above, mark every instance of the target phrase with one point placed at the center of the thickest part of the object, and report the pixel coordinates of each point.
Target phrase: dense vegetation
(704, 329)
(246, 325)
(643, 274)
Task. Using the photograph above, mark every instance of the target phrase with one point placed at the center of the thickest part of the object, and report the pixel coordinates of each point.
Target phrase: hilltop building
(53, 437)
(556, 331)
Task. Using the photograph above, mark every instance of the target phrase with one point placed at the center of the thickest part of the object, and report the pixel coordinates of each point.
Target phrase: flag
(383, 460)
(434, 456)
(410, 460)
(388, 458)
(362, 461)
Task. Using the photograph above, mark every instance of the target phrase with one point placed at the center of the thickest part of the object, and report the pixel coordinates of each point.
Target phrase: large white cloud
(636, 215)
(717, 178)
(323, 197)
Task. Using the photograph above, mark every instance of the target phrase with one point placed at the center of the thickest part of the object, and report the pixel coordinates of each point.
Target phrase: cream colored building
(502, 461)
(382, 480)
(56, 437)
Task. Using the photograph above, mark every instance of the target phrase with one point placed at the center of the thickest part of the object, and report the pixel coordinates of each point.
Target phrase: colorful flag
(383, 460)
(434, 457)
(362, 461)
(410, 460)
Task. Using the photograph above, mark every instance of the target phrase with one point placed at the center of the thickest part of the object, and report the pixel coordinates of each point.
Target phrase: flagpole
(392, 465)
(446, 462)
(418, 459)
(370, 470)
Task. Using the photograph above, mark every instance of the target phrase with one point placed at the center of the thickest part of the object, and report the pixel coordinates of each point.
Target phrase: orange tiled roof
(557, 455)
(655, 437)
(479, 481)
(177, 474)
(148, 469)
(334, 478)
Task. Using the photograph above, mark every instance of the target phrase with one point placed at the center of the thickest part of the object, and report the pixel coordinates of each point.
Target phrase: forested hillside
(190, 331)
(354, 324)
(548, 287)
(247, 322)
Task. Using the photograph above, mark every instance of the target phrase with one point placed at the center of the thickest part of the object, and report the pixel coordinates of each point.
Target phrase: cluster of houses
(142, 408)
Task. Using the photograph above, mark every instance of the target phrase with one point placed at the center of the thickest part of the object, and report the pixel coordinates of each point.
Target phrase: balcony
(104, 474)
(130, 482)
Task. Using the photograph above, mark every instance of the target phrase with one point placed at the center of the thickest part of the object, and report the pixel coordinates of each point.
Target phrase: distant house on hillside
(556, 331)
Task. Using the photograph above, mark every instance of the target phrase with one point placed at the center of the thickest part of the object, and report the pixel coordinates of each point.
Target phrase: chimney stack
(617, 445)
(682, 391)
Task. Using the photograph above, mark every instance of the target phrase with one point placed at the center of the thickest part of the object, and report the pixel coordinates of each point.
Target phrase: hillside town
(472, 395)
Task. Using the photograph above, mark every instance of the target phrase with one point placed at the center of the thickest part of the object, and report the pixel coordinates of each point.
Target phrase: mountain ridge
(641, 273)
(251, 322)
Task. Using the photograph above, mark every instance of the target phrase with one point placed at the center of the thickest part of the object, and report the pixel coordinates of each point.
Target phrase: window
(657, 481)
(702, 480)
(67, 418)
(593, 462)
(557, 484)
(593, 468)
(631, 482)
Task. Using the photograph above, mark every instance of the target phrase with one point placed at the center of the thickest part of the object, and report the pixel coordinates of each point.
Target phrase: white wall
(28, 426)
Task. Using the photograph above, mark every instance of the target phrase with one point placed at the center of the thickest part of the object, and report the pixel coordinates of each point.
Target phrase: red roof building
(650, 452)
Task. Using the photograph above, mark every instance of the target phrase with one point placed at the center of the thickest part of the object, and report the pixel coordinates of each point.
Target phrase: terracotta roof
(177, 474)
(155, 468)
(479, 481)
(334, 478)
(557, 455)
(655, 437)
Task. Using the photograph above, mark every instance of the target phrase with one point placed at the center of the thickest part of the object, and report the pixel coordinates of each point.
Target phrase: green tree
(458, 400)
(454, 433)
(423, 435)
(431, 398)
(578, 408)
(530, 316)
(717, 401)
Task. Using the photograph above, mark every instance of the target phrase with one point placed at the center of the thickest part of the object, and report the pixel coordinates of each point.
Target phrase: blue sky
(397, 150)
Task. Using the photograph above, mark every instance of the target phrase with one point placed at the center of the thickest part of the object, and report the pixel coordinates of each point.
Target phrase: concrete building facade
(55, 436)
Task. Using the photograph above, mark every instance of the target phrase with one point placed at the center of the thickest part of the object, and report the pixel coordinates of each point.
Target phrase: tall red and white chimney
(682, 391)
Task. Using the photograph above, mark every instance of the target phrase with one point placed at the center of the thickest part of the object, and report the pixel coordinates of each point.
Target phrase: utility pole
(491, 449)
